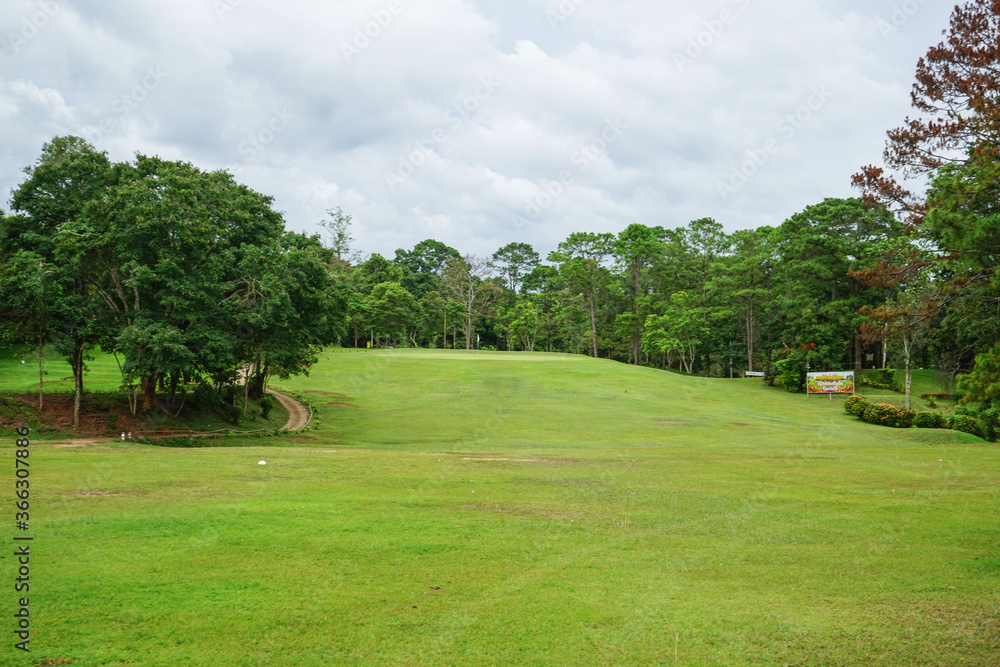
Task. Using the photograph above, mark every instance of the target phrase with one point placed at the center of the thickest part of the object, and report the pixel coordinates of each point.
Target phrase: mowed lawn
(455, 508)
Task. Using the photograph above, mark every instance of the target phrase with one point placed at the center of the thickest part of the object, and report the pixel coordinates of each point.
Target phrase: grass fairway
(455, 508)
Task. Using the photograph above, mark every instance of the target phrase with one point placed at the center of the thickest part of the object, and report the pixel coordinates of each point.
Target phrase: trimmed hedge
(930, 420)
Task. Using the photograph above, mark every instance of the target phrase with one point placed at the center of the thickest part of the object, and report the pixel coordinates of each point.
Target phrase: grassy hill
(456, 508)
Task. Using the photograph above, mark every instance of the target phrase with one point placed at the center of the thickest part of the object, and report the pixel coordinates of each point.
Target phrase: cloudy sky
(476, 122)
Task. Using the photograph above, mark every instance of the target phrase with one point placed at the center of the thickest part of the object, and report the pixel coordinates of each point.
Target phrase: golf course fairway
(454, 508)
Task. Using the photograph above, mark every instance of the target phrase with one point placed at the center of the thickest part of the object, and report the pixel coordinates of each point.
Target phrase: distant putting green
(455, 508)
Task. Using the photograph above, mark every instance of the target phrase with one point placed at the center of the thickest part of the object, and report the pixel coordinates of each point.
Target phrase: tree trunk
(257, 381)
(858, 351)
(468, 329)
(41, 371)
(909, 373)
(77, 380)
(444, 345)
(247, 373)
(148, 386)
(593, 321)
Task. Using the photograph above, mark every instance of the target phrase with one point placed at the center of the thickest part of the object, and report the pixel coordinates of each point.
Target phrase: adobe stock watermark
(257, 141)
(363, 35)
(225, 7)
(562, 12)
(901, 14)
(786, 128)
(713, 29)
(32, 25)
(123, 105)
(459, 114)
(581, 159)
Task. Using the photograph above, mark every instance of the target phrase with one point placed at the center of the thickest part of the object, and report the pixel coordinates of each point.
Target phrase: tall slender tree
(581, 262)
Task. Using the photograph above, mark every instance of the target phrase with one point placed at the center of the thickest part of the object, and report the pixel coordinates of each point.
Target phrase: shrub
(887, 376)
(929, 420)
(266, 404)
(790, 373)
(967, 424)
(856, 405)
(883, 414)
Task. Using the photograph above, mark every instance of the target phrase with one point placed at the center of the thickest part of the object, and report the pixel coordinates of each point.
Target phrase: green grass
(103, 374)
(924, 381)
(455, 508)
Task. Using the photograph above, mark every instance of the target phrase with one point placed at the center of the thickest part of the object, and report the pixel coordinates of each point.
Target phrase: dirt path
(298, 416)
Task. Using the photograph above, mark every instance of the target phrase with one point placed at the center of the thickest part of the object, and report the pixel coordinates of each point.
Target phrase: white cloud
(272, 92)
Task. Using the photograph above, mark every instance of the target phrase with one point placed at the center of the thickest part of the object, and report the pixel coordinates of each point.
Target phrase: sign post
(830, 383)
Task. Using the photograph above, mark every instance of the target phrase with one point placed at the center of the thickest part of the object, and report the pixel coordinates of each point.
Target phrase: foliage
(883, 414)
(856, 405)
(791, 372)
(188, 275)
(966, 424)
(424, 265)
(338, 232)
(930, 420)
(514, 260)
(267, 402)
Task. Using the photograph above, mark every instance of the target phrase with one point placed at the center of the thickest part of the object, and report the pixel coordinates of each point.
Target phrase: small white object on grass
(22, 361)
(262, 463)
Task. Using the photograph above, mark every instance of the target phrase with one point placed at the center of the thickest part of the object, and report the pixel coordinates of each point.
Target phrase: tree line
(190, 276)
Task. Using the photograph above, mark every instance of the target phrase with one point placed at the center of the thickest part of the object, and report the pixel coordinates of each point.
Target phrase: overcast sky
(477, 122)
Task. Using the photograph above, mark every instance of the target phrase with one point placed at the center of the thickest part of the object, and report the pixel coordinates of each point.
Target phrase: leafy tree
(288, 305)
(338, 232)
(907, 313)
(955, 93)
(68, 175)
(392, 311)
(423, 266)
(514, 260)
(29, 293)
(167, 238)
(818, 290)
(744, 281)
(377, 269)
(636, 250)
(680, 330)
(465, 282)
(580, 259)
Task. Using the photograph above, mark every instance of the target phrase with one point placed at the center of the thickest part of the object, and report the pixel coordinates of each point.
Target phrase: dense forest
(188, 276)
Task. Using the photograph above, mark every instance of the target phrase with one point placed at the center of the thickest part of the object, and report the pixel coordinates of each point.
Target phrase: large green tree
(69, 174)
(423, 266)
(636, 250)
(167, 240)
(514, 260)
(466, 281)
(581, 260)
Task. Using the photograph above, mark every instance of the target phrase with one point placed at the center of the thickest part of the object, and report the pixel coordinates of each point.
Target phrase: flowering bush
(929, 420)
(883, 414)
(904, 418)
(967, 424)
(856, 405)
